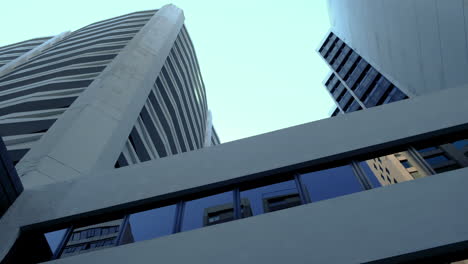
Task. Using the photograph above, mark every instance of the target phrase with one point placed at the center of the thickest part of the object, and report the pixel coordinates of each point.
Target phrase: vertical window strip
(146, 139)
(156, 113)
(194, 63)
(165, 105)
(181, 113)
(172, 107)
(189, 84)
(155, 132)
(188, 111)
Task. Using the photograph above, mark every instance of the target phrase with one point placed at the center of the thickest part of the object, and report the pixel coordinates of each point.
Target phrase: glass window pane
(54, 238)
(208, 211)
(269, 198)
(152, 223)
(370, 175)
(326, 184)
(406, 164)
(427, 149)
(460, 144)
(436, 160)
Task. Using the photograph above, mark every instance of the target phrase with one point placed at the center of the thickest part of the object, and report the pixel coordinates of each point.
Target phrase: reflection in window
(152, 223)
(428, 149)
(208, 211)
(406, 164)
(54, 239)
(270, 198)
(434, 161)
(370, 175)
(460, 144)
(415, 174)
(326, 184)
(100, 235)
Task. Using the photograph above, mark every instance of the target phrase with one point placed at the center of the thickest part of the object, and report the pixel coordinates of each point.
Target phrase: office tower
(355, 84)
(324, 206)
(43, 81)
(101, 92)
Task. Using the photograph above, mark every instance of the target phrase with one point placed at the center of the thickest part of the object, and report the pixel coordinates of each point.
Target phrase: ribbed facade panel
(13, 51)
(36, 93)
(174, 118)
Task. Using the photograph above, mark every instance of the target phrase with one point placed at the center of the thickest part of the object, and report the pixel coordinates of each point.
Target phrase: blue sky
(257, 58)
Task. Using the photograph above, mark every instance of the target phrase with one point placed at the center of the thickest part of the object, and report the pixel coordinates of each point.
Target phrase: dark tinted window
(270, 198)
(433, 161)
(330, 183)
(427, 149)
(152, 223)
(460, 144)
(406, 164)
(207, 211)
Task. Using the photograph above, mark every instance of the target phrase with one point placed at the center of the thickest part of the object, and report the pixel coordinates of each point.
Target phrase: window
(388, 179)
(386, 169)
(370, 175)
(436, 160)
(406, 164)
(330, 183)
(415, 174)
(395, 181)
(75, 236)
(54, 238)
(460, 144)
(428, 149)
(152, 223)
(197, 212)
(269, 198)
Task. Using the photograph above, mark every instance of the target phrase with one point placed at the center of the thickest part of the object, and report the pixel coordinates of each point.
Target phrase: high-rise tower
(116, 92)
(356, 84)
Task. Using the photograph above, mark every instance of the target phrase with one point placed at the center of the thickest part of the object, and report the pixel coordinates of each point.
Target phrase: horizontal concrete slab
(358, 228)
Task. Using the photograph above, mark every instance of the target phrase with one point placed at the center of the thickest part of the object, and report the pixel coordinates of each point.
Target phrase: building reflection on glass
(396, 168)
(225, 212)
(95, 237)
(420, 162)
(281, 199)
